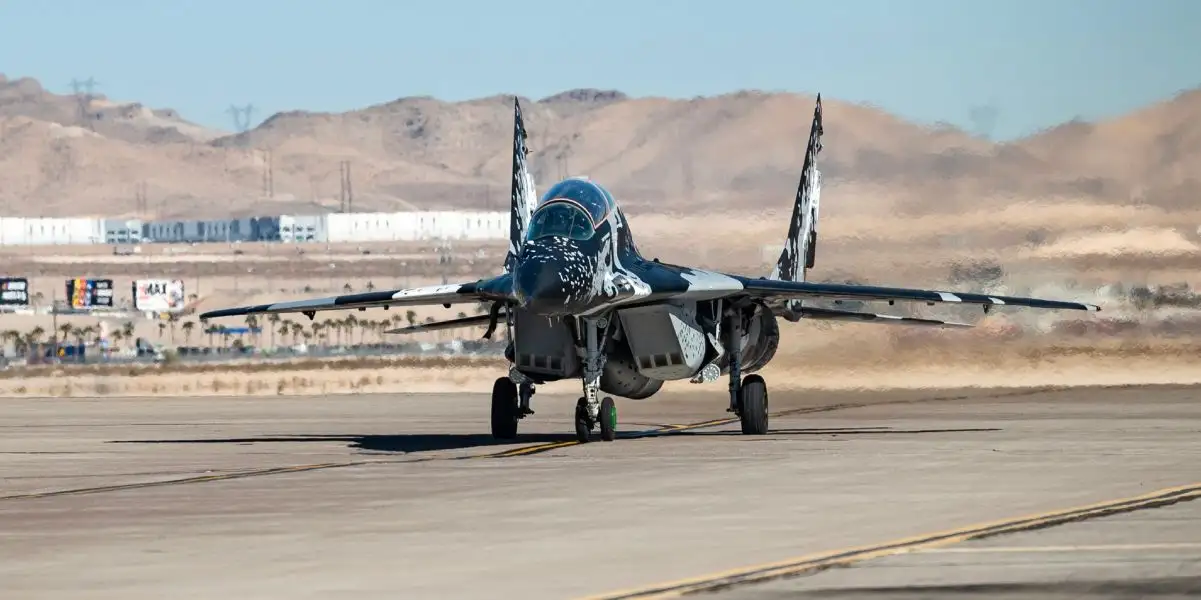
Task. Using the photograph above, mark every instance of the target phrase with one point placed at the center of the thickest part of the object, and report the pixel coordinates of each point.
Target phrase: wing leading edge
(826, 314)
(486, 290)
(779, 292)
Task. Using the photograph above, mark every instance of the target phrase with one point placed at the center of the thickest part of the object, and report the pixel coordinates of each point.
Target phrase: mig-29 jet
(579, 300)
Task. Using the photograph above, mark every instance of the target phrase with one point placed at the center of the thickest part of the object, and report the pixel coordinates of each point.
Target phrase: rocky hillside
(657, 154)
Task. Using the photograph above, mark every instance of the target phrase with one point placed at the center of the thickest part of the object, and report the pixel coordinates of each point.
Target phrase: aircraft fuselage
(579, 261)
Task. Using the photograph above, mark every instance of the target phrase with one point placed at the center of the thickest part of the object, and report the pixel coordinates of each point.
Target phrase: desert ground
(1070, 250)
(1022, 492)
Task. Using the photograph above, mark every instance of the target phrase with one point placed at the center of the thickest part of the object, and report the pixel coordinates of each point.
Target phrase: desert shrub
(979, 273)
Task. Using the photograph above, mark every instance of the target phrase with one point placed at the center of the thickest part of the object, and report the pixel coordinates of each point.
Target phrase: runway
(883, 495)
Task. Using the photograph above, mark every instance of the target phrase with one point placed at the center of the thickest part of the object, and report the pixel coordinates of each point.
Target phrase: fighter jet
(578, 300)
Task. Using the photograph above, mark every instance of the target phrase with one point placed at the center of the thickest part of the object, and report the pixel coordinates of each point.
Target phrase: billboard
(14, 291)
(88, 293)
(158, 295)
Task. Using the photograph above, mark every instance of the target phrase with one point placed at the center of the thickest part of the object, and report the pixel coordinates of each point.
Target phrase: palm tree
(161, 328)
(411, 317)
(11, 335)
(172, 318)
(331, 325)
(274, 320)
(127, 330)
(296, 328)
(18, 340)
(188, 327)
(252, 323)
(65, 329)
(367, 325)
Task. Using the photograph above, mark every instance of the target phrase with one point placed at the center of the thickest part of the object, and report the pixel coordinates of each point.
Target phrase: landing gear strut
(589, 411)
(748, 396)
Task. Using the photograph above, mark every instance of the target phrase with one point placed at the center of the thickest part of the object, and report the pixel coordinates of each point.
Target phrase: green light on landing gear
(608, 419)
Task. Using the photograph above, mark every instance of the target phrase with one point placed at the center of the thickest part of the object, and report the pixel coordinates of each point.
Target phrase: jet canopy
(562, 218)
(572, 208)
(587, 194)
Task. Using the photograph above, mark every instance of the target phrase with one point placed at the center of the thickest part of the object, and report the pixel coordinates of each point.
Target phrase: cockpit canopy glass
(590, 196)
(563, 219)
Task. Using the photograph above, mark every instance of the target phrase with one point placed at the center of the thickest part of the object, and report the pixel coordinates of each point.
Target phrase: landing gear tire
(583, 424)
(752, 405)
(608, 419)
(504, 409)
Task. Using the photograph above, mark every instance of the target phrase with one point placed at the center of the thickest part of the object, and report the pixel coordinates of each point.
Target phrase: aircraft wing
(780, 293)
(472, 321)
(486, 290)
(827, 314)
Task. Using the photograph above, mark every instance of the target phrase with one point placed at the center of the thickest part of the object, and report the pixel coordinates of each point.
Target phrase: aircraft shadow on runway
(421, 442)
(429, 442)
(842, 431)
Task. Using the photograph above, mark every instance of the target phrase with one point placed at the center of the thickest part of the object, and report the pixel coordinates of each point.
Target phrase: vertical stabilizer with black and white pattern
(798, 253)
(523, 196)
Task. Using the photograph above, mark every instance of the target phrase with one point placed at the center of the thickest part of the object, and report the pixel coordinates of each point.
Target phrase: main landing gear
(510, 404)
(748, 396)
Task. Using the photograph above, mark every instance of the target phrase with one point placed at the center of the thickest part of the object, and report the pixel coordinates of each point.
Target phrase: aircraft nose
(546, 282)
(538, 282)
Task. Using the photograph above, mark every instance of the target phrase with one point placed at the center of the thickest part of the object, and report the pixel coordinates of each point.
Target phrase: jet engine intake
(762, 339)
(620, 376)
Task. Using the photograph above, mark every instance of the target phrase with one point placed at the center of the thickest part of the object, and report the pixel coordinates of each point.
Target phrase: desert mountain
(657, 154)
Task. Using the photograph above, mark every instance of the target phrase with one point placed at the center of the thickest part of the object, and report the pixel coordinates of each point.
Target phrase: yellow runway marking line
(812, 563)
(1081, 548)
(197, 479)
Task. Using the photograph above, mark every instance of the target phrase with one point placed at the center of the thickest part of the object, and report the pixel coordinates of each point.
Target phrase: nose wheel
(606, 417)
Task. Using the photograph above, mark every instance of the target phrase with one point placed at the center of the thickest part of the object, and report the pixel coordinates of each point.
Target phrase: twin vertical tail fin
(523, 195)
(800, 247)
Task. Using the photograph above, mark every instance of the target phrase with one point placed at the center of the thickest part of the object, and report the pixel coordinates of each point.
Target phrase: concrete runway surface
(914, 494)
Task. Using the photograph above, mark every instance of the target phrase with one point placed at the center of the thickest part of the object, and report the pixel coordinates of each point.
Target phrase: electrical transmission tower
(563, 155)
(83, 97)
(346, 194)
(268, 173)
(242, 116)
(140, 199)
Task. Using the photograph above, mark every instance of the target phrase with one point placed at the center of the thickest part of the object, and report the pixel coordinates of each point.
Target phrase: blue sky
(1039, 62)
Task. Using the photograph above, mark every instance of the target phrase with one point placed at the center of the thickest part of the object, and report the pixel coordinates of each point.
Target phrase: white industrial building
(333, 227)
(38, 231)
(414, 226)
(300, 229)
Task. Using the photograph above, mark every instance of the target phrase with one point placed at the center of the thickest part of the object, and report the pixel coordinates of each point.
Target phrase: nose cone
(538, 283)
(550, 281)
